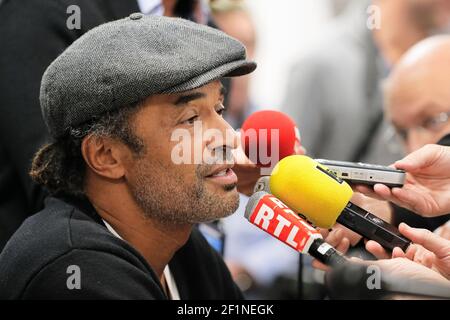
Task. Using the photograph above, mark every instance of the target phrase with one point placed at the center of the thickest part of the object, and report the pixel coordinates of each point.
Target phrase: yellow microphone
(312, 190)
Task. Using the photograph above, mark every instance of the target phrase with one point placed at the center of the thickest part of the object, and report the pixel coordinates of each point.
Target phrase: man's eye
(437, 122)
(191, 120)
(433, 124)
(403, 133)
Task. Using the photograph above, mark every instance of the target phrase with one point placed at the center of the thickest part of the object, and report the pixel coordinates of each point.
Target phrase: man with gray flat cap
(125, 104)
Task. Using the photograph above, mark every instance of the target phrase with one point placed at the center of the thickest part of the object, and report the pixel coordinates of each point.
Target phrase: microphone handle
(350, 281)
(371, 227)
(325, 253)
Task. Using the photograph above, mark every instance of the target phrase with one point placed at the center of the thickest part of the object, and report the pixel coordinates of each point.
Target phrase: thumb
(421, 158)
(425, 238)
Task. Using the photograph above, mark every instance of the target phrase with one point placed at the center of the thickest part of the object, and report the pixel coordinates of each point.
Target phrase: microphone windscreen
(310, 189)
(271, 215)
(258, 136)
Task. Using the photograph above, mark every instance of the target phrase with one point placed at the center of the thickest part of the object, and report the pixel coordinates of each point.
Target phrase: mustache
(219, 156)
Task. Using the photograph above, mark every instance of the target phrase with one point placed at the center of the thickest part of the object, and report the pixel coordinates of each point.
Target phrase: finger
(335, 237)
(425, 238)
(357, 260)
(367, 191)
(421, 158)
(343, 246)
(319, 265)
(324, 232)
(445, 233)
(398, 253)
(410, 199)
(377, 250)
(411, 251)
(428, 259)
(363, 189)
(382, 190)
(299, 150)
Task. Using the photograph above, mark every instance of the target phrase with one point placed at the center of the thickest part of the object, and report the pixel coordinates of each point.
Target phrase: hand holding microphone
(398, 275)
(427, 185)
(385, 279)
(340, 235)
(271, 215)
(312, 190)
(428, 249)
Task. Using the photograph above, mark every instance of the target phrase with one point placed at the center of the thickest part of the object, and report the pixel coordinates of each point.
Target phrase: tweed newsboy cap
(127, 60)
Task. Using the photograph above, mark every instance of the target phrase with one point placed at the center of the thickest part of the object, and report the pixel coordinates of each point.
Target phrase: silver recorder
(364, 173)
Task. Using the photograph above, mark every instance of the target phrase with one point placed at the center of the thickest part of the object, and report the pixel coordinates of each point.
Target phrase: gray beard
(175, 204)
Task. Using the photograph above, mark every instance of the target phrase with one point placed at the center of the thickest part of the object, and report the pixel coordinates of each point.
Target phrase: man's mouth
(223, 175)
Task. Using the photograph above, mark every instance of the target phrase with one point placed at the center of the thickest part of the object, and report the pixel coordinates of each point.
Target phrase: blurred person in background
(418, 106)
(233, 17)
(417, 102)
(334, 92)
(339, 6)
(334, 95)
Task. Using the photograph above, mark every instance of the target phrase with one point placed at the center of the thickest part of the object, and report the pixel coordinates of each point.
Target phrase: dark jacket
(32, 34)
(36, 262)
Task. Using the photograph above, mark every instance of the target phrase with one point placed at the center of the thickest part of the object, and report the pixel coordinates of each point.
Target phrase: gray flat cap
(124, 61)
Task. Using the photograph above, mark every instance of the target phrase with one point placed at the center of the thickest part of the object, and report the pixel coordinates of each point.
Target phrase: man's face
(417, 105)
(193, 191)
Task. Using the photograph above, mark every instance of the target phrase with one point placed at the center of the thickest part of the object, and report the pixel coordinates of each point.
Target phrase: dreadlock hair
(59, 165)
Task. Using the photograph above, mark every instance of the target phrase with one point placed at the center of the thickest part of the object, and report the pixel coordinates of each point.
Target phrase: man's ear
(104, 156)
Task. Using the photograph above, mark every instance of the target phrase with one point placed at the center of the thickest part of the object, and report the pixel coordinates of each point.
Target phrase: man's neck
(155, 241)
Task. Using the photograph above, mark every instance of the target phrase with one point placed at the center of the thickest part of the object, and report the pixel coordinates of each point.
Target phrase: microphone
(268, 136)
(361, 281)
(271, 215)
(262, 184)
(315, 192)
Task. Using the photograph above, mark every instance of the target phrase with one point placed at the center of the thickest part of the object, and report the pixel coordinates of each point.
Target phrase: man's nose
(228, 139)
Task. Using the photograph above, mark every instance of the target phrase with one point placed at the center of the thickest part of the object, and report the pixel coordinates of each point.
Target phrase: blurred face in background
(238, 24)
(406, 22)
(433, 15)
(418, 102)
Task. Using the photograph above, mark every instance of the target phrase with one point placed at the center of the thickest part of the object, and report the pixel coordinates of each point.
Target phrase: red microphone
(268, 136)
(271, 215)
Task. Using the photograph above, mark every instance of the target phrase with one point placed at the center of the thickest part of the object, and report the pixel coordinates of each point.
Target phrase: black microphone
(365, 281)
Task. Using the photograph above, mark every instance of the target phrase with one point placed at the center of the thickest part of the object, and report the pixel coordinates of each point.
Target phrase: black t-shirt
(68, 238)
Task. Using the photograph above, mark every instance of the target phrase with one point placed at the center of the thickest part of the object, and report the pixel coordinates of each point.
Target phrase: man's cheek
(187, 173)
(186, 147)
